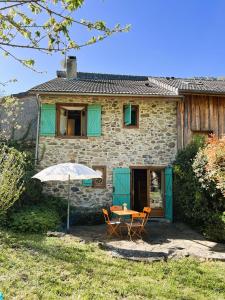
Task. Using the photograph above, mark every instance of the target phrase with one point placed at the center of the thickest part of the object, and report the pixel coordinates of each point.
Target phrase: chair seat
(115, 222)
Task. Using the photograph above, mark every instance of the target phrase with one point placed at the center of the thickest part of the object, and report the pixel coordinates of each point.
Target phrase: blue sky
(168, 38)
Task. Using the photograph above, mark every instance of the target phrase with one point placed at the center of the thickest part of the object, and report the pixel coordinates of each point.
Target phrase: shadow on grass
(66, 250)
(136, 255)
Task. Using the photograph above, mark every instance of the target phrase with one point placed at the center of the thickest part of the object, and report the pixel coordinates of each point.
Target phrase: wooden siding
(200, 113)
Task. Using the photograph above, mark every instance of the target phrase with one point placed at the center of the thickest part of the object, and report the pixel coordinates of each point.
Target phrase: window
(71, 120)
(206, 133)
(100, 182)
(130, 116)
(157, 188)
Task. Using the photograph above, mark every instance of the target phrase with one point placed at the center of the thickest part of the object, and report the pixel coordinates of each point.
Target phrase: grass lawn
(39, 267)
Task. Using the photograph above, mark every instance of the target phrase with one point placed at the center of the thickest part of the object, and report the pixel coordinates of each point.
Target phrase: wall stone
(153, 143)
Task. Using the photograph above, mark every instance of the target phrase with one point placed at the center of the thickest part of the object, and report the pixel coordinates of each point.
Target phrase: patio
(163, 241)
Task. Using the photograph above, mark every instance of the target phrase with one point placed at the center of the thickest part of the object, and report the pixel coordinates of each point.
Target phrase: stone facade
(26, 120)
(153, 143)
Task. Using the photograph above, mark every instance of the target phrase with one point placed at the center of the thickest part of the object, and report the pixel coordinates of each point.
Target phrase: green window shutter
(48, 120)
(127, 114)
(121, 186)
(94, 120)
(87, 182)
(169, 193)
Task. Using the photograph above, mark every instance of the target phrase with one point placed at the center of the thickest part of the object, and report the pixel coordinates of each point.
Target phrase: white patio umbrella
(67, 172)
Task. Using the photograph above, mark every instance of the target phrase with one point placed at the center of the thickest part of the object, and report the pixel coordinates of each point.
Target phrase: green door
(121, 186)
(169, 194)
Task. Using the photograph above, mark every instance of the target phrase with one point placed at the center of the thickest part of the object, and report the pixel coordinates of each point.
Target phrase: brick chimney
(71, 67)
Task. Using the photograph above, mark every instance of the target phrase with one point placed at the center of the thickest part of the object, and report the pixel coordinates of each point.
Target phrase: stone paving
(163, 241)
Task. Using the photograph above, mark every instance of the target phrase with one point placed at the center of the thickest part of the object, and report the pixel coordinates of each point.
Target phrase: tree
(45, 26)
(10, 108)
(12, 170)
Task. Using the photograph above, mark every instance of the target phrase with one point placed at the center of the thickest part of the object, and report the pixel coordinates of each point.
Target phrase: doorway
(148, 189)
(140, 191)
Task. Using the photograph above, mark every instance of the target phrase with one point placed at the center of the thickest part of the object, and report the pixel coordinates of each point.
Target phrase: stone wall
(26, 120)
(153, 143)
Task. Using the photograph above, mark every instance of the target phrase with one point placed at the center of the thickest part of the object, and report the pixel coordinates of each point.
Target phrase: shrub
(195, 202)
(209, 166)
(36, 219)
(12, 170)
(189, 201)
(215, 229)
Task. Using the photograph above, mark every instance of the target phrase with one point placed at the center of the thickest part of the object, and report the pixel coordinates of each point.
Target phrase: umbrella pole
(68, 207)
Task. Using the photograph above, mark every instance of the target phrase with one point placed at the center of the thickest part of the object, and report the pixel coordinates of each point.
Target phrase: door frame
(148, 169)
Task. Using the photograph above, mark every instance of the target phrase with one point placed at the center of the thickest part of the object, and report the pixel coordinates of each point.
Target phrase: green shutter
(48, 120)
(121, 186)
(127, 114)
(87, 182)
(94, 120)
(169, 193)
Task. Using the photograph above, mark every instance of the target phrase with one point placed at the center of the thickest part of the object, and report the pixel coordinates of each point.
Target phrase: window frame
(131, 126)
(204, 133)
(58, 107)
(103, 186)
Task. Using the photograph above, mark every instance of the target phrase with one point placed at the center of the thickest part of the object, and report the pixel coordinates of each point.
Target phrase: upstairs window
(130, 116)
(71, 120)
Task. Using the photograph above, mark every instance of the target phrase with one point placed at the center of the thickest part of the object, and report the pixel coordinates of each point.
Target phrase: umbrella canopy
(62, 172)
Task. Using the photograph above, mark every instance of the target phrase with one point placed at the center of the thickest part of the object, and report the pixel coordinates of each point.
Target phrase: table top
(124, 212)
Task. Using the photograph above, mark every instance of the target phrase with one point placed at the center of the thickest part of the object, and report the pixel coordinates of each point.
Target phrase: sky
(181, 38)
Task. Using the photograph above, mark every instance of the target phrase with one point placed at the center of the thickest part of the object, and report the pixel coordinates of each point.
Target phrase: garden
(36, 266)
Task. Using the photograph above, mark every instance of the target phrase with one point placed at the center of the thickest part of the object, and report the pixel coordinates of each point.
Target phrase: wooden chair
(135, 227)
(113, 227)
(146, 210)
(114, 208)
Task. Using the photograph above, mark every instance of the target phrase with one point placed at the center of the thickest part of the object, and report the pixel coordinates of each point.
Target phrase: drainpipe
(38, 129)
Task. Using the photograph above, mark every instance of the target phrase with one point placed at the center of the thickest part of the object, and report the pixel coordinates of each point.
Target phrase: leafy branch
(47, 26)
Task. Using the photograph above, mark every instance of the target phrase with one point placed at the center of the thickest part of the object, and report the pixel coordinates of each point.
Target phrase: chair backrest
(139, 217)
(115, 207)
(106, 215)
(147, 210)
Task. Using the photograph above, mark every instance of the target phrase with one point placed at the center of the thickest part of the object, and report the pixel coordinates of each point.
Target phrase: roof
(112, 84)
(95, 83)
(191, 85)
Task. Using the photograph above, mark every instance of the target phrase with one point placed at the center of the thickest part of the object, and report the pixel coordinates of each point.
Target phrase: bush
(36, 219)
(215, 229)
(12, 170)
(200, 207)
(189, 201)
(209, 166)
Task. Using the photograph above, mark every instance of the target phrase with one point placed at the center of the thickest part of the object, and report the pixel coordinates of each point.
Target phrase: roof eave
(197, 92)
(104, 94)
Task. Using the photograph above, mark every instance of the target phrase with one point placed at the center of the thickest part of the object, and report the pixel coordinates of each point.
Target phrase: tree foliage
(10, 108)
(209, 166)
(46, 26)
(12, 170)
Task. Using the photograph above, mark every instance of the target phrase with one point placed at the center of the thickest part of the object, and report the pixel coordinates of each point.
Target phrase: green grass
(38, 267)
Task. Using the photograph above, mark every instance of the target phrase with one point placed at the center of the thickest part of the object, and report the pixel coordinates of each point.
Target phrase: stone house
(129, 128)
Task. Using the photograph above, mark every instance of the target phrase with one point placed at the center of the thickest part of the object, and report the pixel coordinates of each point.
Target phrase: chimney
(71, 67)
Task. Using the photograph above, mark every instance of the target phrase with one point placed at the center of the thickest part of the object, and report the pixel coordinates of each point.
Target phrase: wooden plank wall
(200, 113)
